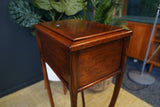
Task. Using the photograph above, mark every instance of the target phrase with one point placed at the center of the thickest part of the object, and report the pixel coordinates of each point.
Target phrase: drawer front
(99, 61)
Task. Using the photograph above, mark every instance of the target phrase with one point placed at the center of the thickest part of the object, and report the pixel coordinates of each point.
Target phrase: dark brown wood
(83, 53)
(47, 85)
(83, 100)
(73, 95)
(70, 30)
(46, 81)
(119, 76)
(102, 60)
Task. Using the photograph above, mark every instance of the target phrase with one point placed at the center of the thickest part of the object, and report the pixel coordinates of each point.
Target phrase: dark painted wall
(19, 58)
(143, 11)
(144, 8)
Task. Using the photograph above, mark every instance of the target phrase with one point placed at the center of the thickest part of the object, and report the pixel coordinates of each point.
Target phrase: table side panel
(99, 61)
(56, 55)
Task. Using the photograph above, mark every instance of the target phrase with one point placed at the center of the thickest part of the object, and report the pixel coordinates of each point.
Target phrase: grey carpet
(151, 93)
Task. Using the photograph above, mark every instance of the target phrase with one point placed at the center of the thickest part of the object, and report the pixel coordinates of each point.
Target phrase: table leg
(119, 76)
(73, 96)
(64, 89)
(46, 81)
(83, 100)
(150, 68)
(117, 87)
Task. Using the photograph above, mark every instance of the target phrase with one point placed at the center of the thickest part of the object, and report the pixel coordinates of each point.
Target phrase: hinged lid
(78, 34)
(75, 29)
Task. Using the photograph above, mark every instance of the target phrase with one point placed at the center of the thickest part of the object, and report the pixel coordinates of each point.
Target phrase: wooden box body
(81, 53)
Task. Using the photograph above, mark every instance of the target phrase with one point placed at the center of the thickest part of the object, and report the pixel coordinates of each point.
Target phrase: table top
(78, 34)
(76, 29)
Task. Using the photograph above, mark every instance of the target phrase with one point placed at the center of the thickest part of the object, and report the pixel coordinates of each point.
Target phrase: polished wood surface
(85, 55)
(91, 59)
(139, 41)
(46, 81)
(70, 30)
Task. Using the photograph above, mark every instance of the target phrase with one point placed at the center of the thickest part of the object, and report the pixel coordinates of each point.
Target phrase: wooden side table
(82, 54)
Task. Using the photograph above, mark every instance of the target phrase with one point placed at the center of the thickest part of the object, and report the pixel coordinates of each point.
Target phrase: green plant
(69, 7)
(109, 12)
(23, 13)
(27, 13)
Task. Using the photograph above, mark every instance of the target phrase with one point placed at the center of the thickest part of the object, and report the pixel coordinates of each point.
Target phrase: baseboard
(22, 85)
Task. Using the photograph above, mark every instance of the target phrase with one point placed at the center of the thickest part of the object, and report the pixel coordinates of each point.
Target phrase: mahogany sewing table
(82, 54)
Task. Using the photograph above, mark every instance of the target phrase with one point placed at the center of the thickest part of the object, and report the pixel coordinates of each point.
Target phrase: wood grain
(74, 29)
(83, 53)
(101, 60)
(139, 41)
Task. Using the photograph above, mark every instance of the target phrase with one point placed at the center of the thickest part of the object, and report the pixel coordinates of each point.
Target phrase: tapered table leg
(119, 77)
(46, 81)
(117, 87)
(73, 96)
(150, 68)
(64, 89)
(83, 100)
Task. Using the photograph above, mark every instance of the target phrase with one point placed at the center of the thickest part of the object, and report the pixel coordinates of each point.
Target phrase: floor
(131, 94)
(36, 96)
(151, 93)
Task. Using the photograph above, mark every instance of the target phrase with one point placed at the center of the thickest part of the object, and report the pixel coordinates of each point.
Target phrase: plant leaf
(109, 15)
(101, 10)
(23, 13)
(69, 7)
